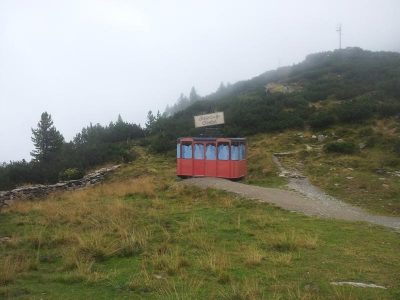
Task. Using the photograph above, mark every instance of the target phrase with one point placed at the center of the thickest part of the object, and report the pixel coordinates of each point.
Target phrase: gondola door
(223, 159)
(199, 164)
(211, 160)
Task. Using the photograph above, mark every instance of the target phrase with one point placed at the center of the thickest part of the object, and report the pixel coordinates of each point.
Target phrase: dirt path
(307, 199)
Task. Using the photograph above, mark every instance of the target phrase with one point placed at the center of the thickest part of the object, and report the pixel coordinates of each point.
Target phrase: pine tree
(151, 120)
(46, 139)
(193, 96)
(221, 87)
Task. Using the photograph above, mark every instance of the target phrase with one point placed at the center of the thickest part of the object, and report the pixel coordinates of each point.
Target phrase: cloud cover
(89, 60)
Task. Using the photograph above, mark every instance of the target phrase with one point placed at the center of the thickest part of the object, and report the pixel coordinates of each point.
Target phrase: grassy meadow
(143, 235)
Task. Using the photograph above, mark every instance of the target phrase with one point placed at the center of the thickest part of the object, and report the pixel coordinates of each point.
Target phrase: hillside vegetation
(366, 177)
(338, 87)
(144, 235)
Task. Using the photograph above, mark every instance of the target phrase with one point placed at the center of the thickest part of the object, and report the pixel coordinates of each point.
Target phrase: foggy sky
(89, 60)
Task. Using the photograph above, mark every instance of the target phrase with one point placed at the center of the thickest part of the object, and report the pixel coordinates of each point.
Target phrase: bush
(355, 111)
(71, 174)
(396, 147)
(322, 120)
(341, 147)
(390, 162)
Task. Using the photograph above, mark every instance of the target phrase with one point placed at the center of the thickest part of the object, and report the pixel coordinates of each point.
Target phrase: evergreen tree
(193, 96)
(167, 111)
(46, 139)
(182, 101)
(221, 87)
(151, 120)
(119, 120)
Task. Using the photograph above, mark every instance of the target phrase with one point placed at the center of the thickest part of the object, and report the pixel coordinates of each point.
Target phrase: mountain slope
(335, 87)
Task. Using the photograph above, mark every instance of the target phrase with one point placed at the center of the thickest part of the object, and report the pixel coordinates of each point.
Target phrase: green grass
(143, 235)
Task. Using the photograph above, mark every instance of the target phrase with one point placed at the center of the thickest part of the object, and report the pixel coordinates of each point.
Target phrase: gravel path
(306, 199)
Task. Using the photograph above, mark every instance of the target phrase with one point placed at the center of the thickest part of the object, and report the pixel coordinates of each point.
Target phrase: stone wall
(39, 190)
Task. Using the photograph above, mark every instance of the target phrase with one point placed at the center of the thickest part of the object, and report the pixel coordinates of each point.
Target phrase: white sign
(209, 120)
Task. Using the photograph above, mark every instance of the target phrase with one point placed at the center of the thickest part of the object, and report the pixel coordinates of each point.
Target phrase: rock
(284, 153)
(283, 174)
(380, 171)
(362, 145)
(321, 138)
(4, 239)
(349, 177)
(358, 284)
(314, 136)
(396, 173)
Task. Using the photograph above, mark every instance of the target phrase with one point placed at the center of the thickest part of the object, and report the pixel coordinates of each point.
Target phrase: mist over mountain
(342, 86)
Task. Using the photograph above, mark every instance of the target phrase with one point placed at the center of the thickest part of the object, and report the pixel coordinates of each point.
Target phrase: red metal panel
(224, 168)
(210, 168)
(235, 169)
(199, 167)
(185, 167)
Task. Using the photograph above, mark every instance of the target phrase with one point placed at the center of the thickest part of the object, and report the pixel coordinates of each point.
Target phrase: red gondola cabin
(211, 157)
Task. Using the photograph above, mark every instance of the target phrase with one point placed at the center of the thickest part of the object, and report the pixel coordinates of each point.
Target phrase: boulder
(321, 138)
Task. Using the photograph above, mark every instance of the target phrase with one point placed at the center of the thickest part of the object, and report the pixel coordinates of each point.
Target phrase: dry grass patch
(215, 262)
(253, 256)
(202, 242)
(83, 270)
(293, 241)
(144, 282)
(247, 290)
(11, 266)
(157, 204)
(195, 224)
(133, 242)
(95, 245)
(180, 290)
(170, 262)
(259, 219)
(226, 201)
(61, 205)
(281, 259)
(142, 185)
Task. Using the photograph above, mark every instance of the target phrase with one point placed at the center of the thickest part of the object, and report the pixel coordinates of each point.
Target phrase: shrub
(322, 120)
(396, 147)
(390, 162)
(341, 147)
(71, 174)
(355, 111)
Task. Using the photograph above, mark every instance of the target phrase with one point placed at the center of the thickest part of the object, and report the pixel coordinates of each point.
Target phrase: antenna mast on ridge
(339, 30)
